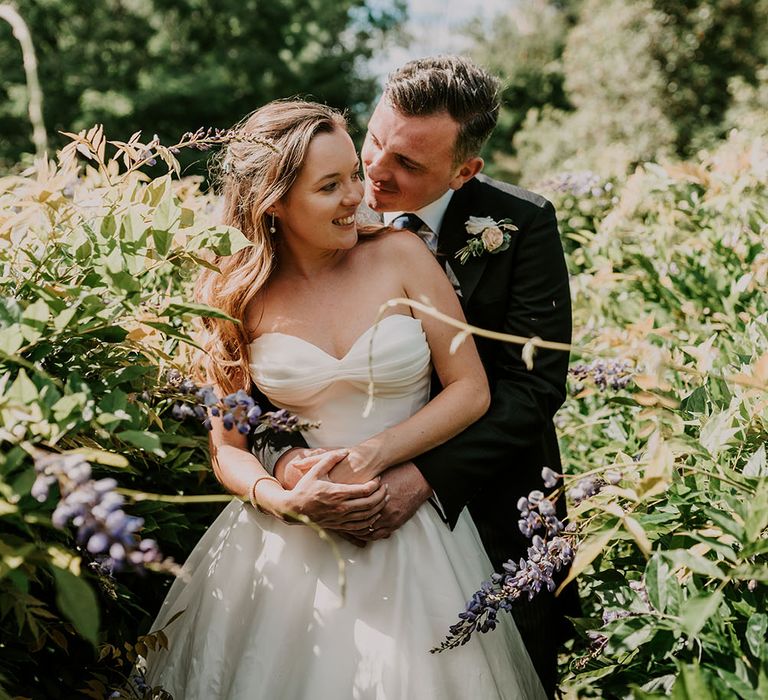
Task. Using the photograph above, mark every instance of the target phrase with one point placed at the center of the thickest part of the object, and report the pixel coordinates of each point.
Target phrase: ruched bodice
(299, 376)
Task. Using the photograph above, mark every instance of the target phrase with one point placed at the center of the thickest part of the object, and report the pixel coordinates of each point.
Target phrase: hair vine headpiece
(205, 138)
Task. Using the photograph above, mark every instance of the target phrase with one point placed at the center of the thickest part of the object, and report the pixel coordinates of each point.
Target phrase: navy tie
(407, 221)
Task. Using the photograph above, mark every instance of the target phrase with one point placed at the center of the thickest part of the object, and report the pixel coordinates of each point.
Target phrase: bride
(263, 614)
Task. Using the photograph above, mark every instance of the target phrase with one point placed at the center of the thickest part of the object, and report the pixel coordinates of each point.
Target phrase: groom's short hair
(452, 84)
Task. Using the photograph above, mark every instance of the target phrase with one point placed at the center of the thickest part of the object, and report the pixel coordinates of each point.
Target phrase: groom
(421, 158)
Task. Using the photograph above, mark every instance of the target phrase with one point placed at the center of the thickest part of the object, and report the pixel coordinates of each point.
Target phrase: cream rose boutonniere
(487, 236)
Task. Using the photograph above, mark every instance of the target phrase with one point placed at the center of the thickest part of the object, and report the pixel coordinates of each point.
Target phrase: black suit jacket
(523, 291)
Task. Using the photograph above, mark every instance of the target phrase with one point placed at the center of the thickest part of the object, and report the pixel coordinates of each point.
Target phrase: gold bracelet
(252, 492)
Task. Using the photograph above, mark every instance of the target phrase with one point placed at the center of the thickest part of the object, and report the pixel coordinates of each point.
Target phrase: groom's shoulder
(504, 193)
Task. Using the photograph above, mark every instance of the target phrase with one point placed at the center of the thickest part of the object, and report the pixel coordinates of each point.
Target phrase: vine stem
(21, 32)
(467, 329)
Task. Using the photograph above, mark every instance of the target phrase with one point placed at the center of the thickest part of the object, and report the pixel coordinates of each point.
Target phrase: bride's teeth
(346, 221)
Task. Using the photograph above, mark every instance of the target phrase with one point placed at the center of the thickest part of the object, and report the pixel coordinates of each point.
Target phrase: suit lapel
(453, 236)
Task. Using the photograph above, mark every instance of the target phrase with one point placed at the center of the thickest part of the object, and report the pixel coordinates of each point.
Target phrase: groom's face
(409, 161)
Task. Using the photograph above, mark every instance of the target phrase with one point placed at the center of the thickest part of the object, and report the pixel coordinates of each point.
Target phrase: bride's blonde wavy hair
(256, 171)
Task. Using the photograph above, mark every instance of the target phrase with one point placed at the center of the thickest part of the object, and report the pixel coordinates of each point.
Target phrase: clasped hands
(326, 487)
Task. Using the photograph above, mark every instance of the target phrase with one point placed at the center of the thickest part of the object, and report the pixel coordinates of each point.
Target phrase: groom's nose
(372, 158)
(375, 167)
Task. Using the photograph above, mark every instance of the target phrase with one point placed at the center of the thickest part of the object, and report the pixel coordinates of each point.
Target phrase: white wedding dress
(263, 614)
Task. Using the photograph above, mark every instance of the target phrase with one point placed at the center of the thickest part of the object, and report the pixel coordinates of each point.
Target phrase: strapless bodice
(296, 374)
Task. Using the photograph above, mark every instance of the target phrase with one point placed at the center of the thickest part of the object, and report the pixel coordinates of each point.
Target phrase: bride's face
(319, 209)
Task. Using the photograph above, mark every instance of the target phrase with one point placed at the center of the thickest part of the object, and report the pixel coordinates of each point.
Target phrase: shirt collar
(432, 214)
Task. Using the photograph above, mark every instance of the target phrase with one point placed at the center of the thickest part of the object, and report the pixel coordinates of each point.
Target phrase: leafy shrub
(673, 560)
(96, 264)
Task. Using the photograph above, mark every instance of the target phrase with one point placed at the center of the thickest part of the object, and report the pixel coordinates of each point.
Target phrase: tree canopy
(166, 66)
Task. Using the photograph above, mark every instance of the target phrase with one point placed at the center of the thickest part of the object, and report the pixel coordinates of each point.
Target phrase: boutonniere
(486, 236)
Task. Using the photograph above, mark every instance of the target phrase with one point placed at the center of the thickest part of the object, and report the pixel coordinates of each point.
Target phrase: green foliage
(169, 66)
(673, 562)
(524, 48)
(607, 84)
(711, 42)
(96, 266)
(617, 91)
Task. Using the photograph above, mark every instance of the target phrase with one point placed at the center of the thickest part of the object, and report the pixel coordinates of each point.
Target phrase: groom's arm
(269, 452)
(523, 401)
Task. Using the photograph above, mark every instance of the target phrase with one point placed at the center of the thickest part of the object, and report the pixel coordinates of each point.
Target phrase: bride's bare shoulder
(392, 244)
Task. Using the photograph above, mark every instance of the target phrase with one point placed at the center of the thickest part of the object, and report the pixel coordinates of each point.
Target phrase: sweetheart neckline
(351, 347)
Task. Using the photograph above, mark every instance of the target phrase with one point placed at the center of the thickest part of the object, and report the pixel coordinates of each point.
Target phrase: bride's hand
(361, 464)
(293, 464)
(347, 507)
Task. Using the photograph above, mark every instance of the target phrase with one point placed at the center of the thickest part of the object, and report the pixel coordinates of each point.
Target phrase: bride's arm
(465, 396)
(326, 503)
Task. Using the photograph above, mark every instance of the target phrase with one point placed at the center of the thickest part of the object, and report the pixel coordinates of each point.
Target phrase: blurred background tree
(606, 84)
(168, 66)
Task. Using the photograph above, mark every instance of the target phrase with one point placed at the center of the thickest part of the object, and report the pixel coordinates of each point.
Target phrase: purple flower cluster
(538, 512)
(95, 509)
(585, 488)
(238, 411)
(526, 578)
(550, 477)
(604, 374)
(580, 183)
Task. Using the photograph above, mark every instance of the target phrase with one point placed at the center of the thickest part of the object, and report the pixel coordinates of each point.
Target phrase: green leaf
(172, 332)
(695, 563)
(11, 339)
(143, 439)
(163, 240)
(167, 216)
(691, 684)
(696, 402)
(587, 552)
(697, 611)
(111, 459)
(179, 309)
(22, 389)
(223, 240)
(34, 320)
(67, 405)
(629, 633)
(756, 466)
(77, 602)
(756, 629)
(656, 581)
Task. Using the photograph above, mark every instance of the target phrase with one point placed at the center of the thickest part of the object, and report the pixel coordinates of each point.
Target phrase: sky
(435, 26)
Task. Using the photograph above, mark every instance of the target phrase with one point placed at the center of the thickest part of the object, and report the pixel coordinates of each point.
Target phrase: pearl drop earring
(272, 228)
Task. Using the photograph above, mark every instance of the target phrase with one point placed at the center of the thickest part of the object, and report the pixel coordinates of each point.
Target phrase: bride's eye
(330, 187)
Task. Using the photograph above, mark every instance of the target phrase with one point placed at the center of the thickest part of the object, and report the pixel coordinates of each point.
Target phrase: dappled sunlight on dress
(263, 613)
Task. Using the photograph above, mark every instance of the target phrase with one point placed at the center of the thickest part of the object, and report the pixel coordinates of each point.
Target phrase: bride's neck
(307, 263)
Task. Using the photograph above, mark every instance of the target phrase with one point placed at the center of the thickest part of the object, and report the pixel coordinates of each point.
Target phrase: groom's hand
(346, 508)
(408, 490)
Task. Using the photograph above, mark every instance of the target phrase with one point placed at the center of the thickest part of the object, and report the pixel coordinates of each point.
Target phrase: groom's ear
(468, 169)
